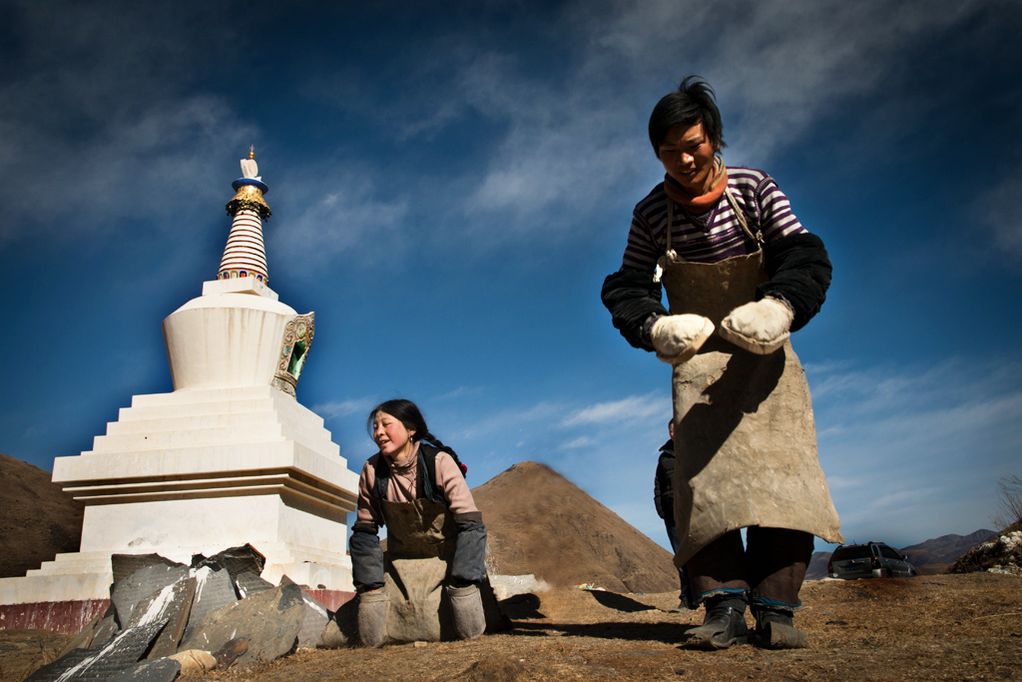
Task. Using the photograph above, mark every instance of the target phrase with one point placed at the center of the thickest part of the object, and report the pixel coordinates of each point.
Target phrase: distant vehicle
(871, 560)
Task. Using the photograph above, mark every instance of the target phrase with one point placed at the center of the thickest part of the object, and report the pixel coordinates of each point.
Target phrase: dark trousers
(672, 535)
(771, 568)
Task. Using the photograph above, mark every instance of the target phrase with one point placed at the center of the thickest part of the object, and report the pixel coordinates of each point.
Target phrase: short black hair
(693, 102)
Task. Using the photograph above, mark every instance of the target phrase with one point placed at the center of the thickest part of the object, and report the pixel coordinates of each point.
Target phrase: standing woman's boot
(775, 629)
(723, 625)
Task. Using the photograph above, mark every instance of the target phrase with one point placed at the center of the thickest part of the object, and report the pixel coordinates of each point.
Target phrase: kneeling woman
(425, 587)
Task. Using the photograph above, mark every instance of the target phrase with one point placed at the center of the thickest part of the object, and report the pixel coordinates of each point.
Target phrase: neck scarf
(702, 202)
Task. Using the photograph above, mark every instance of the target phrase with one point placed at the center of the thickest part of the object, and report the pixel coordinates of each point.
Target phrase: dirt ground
(943, 627)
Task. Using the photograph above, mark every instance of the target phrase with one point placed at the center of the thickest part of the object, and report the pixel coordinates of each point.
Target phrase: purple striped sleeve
(641, 251)
(777, 218)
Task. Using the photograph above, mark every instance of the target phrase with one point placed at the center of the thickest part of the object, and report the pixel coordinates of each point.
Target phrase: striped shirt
(716, 234)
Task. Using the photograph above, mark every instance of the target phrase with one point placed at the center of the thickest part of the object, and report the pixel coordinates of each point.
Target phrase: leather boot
(723, 625)
(467, 609)
(775, 629)
(372, 617)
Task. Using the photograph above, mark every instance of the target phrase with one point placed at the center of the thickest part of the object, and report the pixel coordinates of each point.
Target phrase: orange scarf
(702, 202)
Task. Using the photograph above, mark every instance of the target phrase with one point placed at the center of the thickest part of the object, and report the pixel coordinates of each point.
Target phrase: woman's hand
(759, 327)
(677, 338)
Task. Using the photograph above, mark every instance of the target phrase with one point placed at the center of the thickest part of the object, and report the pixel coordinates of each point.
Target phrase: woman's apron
(420, 543)
(421, 538)
(745, 442)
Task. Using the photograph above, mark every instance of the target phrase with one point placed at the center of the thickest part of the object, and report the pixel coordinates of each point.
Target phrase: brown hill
(38, 519)
(946, 549)
(539, 522)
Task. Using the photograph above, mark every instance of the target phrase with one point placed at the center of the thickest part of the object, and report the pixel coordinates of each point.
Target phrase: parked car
(871, 560)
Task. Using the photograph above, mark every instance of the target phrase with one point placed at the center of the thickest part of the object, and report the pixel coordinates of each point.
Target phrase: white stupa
(228, 458)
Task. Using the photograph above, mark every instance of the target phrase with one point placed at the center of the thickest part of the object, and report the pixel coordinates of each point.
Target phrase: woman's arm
(364, 545)
(799, 271)
(631, 296)
(468, 565)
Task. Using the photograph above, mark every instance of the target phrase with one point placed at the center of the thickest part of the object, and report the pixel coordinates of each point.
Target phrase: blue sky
(451, 183)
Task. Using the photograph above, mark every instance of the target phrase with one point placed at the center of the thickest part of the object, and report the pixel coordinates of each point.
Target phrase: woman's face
(687, 154)
(390, 434)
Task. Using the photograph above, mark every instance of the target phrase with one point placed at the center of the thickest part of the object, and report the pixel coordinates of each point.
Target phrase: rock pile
(165, 618)
(1002, 554)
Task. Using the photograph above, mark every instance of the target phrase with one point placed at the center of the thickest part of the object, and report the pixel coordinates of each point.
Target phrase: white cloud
(97, 126)
(915, 452)
(339, 209)
(631, 409)
(344, 408)
(577, 443)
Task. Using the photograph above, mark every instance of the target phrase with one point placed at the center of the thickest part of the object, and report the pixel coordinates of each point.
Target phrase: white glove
(759, 327)
(677, 338)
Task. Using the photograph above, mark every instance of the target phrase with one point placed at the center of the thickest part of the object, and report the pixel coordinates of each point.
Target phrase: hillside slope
(38, 519)
(539, 522)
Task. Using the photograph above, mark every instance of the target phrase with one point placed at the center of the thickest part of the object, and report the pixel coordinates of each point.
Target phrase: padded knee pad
(467, 610)
(372, 617)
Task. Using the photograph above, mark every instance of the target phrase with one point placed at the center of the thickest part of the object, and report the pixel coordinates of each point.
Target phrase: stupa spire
(245, 253)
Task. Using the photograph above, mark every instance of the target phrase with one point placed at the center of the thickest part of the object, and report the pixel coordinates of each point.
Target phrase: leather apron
(420, 544)
(745, 441)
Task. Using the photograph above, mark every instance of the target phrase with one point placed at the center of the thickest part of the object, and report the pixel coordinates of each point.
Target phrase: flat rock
(213, 591)
(123, 565)
(237, 560)
(143, 584)
(313, 623)
(248, 583)
(174, 603)
(161, 670)
(271, 631)
(120, 654)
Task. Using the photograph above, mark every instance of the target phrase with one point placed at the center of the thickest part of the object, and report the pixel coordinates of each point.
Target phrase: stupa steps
(240, 420)
(168, 440)
(218, 396)
(184, 404)
(196, 461)
(194, 409)
(302, 424)
(96, 562)
(147, 440)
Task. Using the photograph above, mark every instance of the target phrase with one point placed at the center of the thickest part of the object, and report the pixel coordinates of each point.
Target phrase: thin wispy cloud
(900, 440)
(577, 443)
(97, 129)
(635, 408)
(344, 408)
(340, 209)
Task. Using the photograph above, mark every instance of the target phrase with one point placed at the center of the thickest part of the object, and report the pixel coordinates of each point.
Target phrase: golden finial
(251, 151)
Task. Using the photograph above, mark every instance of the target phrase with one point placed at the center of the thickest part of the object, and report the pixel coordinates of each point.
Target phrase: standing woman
(425, 587)
(741, 274)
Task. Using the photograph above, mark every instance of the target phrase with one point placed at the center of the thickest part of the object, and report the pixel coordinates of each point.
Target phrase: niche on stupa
(294, 349)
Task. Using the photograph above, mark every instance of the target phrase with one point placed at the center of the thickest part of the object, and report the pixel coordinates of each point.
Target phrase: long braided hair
(408, 414)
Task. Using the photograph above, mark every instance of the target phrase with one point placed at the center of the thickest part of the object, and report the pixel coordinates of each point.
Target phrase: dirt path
(947, 627)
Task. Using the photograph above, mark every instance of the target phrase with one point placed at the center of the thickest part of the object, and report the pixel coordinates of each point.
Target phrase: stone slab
(121, 653)
(174, 603)
(161, 670)
(269, 630)
(213, 591)
(141, 585)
